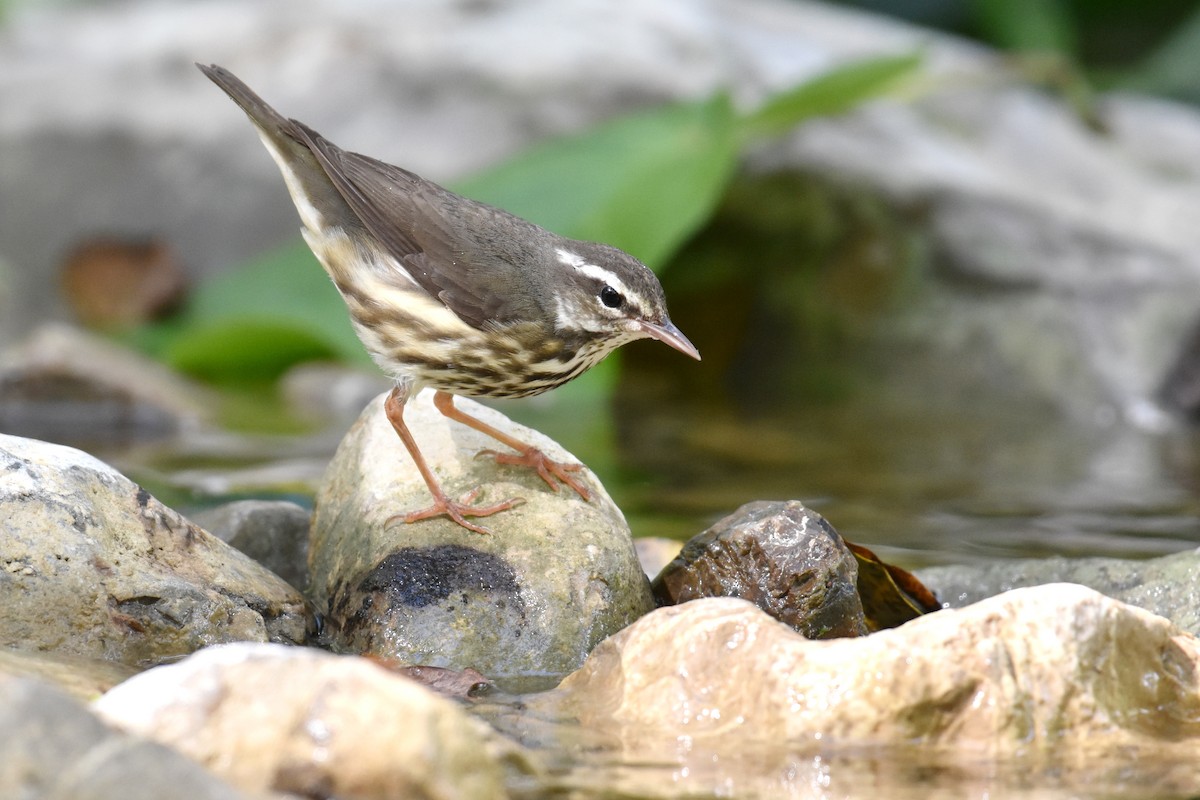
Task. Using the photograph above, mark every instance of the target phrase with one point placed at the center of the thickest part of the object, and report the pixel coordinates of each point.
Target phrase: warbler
(457, 295)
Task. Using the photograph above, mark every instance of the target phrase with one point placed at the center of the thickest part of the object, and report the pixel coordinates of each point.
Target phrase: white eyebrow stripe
(591, 270)
(569, 258)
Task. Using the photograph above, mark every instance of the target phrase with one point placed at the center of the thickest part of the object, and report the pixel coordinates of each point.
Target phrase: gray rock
(298, 720)
(92, 565)
(82, 678)
(781, 556)
(558, 575)
(322, 391)
(66, 385)
(272, 532)
(1168, 586)
(53, 748)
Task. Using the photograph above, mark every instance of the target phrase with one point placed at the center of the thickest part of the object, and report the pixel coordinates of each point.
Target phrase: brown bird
(454, 294)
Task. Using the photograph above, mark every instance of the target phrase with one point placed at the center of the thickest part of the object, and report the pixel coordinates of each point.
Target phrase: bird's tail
(316, 199)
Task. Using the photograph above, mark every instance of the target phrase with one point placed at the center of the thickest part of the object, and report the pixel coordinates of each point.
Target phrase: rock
(65, 385)
(92, 565)
(781, 556)
(53, 748)
(312, 724)
(558, 575)
(1057, 674)
(272, 532)
(82, 678)
(322, 391)
(1168, 586)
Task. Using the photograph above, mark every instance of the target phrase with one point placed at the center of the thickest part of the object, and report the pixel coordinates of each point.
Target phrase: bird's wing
(472, 274)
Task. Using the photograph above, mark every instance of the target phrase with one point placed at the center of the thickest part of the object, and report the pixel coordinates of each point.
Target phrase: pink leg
(550, 471)
(442, 505)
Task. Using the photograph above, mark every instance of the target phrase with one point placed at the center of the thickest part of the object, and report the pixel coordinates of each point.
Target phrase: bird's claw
(458, 511)
(552, 472)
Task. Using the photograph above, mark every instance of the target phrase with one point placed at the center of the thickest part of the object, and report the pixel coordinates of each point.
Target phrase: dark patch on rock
(423, 576)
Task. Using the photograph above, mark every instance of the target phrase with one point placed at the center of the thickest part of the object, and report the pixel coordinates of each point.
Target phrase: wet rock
(781, 556)
(62, 384)
(313, 724)
(272, 532)
(54, 748)
(1168, 586)
(82, 678)
(92, 565)
(1058, 674)
(558, 575)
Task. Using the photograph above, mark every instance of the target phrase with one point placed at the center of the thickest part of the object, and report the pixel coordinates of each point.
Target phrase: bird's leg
(526, 456)
(457, 510)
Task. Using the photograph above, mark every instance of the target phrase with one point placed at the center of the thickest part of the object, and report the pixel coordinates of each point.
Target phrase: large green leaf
(285, 285)
(245, 349)
(643, 183)
(833, 92)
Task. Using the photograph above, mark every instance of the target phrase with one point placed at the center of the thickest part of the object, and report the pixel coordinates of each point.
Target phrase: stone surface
(92, 565)
(69, 386)
(82, 678)
(779, 555)
(1057, 674)
(53, 748)
(313, 724)
(323, 391)
(558, 575)
(272, 532)
(1168, 586)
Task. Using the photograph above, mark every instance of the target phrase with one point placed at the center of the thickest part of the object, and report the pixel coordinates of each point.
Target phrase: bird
(452, 294)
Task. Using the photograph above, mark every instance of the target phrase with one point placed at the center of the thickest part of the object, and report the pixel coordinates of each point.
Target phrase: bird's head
(609, 295)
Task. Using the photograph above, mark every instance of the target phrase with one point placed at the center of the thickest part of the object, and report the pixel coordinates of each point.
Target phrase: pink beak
(668, 334)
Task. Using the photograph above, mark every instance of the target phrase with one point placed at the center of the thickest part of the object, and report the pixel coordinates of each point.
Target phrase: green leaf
(285, 284)
(643, 183)
(254, 322)
(245, 349)
(833, 92)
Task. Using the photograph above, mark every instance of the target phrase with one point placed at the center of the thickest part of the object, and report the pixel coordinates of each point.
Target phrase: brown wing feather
(468, 255)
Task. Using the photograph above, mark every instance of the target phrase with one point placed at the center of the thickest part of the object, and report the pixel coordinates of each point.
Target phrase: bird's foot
(458, 510)
(552, 472)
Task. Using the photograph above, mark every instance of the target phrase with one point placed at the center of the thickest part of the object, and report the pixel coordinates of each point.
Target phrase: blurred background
(941, 257)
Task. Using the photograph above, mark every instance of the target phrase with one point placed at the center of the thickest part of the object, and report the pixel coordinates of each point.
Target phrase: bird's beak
(668, 334)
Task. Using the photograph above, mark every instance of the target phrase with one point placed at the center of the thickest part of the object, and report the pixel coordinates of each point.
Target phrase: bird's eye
(611, 297)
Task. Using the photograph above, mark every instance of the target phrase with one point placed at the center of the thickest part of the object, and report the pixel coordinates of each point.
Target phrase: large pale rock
(53, 748)
(558, 575)
(310, 723)
(92, 565)
(1057, 673)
